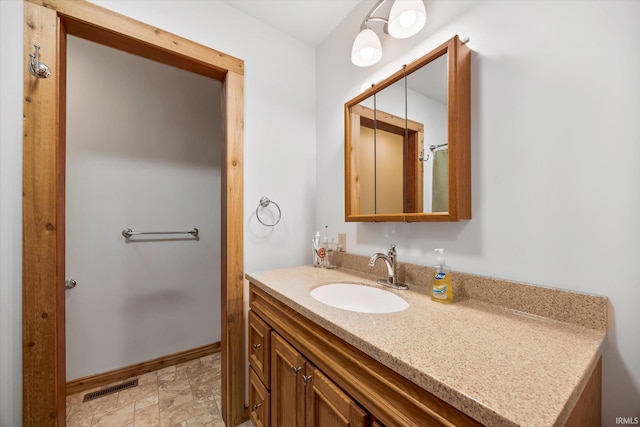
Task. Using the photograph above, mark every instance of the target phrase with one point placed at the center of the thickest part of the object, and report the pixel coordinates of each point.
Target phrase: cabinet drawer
(260, 348)
(259, 401)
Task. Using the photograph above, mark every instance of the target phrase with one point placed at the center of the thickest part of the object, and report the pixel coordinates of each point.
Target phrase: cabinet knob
(306, 379)
(256, 406)
(256, 346)
(295, 370)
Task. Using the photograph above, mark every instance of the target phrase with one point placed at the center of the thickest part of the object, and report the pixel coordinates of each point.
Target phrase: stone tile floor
(184, 395)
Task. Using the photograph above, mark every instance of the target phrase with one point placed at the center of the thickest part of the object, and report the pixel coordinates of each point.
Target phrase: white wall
(279, 117)
(279, 147)
(555, 147)
(144, 145)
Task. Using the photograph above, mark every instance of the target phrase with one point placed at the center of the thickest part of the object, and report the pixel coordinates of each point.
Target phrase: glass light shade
(367, 49)
(406, 18)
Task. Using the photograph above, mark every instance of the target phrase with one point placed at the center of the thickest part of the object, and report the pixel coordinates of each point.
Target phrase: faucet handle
(392, 250)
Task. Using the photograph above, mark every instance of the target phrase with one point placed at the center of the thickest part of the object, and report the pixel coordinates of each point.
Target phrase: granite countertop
(499, 366)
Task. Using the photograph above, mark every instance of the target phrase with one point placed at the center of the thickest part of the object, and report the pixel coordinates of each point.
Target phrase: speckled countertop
(499, 366)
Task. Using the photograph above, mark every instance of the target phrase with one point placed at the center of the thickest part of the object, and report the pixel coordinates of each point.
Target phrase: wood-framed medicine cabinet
(407, 142)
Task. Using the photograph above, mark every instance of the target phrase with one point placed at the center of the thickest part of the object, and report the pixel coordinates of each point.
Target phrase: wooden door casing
(47, 23)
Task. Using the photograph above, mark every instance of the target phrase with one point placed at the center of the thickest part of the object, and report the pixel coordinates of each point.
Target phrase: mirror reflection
(394, 173)
(379, 151)
(427, 104)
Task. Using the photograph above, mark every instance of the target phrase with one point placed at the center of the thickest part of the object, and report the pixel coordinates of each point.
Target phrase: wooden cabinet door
(260, 348)
(259, 401)
(329, 406)
(287, 388)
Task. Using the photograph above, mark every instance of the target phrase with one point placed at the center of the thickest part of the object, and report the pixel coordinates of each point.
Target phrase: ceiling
(309, 21)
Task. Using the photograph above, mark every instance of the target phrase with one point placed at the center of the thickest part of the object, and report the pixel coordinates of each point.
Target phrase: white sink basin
(360, 298)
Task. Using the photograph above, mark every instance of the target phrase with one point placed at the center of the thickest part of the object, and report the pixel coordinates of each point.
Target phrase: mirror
(407, 142)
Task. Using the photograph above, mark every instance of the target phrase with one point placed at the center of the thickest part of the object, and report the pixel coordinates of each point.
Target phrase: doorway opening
(44, 369)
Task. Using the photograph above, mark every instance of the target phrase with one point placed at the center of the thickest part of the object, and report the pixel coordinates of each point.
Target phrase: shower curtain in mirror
(440, 188)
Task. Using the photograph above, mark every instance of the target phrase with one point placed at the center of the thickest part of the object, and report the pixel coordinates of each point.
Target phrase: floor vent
(109, 390)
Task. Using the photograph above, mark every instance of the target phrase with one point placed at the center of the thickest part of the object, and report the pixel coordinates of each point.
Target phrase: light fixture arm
(370, 17)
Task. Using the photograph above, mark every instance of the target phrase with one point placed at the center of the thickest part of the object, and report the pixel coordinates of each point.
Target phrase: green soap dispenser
(441, 290)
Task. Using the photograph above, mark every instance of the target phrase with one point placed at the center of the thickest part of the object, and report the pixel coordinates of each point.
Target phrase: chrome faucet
(392, 274)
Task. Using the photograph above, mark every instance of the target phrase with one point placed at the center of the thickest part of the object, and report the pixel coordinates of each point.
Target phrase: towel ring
(264, 202)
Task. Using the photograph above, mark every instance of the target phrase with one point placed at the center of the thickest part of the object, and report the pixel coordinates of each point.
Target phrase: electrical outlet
(342, 241)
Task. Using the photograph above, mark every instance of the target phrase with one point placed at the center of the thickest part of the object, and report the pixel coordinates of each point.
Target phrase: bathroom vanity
(468, 363)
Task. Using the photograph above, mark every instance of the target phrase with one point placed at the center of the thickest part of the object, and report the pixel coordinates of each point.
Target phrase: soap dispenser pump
(441, 290)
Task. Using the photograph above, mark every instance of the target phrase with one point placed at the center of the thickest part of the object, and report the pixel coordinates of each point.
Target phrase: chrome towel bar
(127, 232)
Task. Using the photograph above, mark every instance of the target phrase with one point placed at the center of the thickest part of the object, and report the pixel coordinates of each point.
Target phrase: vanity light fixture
(406, 18)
